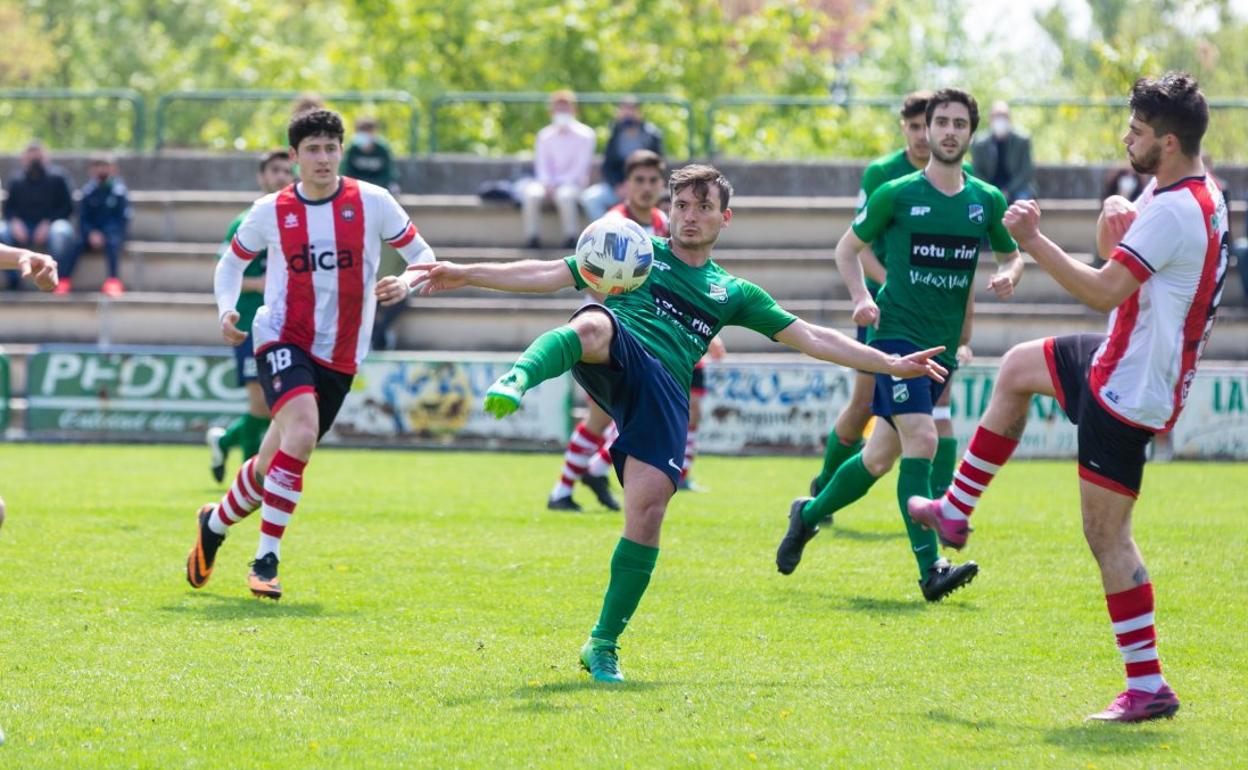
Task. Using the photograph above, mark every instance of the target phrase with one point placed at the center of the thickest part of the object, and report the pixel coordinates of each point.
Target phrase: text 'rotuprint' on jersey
(931, 250)
(679, 309)
(322, 267)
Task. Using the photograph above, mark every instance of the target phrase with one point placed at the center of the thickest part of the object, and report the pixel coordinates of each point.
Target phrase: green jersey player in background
(248, 430)
(635, 355)
(845, 438)
(933, 222)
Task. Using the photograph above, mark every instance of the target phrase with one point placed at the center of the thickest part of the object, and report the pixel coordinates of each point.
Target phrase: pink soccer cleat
(953, 533)
(1139, 706)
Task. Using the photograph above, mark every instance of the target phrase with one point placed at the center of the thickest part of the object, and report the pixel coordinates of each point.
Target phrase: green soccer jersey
(679, 309)
(931, 252)
(891, 166)
(249, 301)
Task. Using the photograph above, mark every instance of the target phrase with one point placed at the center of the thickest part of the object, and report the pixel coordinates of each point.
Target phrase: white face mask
(1127, 185)
(562, 118)
(1000, 127)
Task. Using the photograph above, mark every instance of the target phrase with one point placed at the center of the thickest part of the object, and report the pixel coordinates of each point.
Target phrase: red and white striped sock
(282, 488)
(582, 445)
(986, 454)
(1132, 615)
(691, 452)
(601, 462)
(243, 498)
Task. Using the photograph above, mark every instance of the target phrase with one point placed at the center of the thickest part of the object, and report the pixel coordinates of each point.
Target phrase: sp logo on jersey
(717, 293)
(291, 221)
(920, 211)
(975, 213)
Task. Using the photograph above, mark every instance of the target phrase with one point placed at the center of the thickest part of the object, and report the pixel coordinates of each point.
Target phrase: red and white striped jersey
(1178, 248)
(656, 226)
(322, 267)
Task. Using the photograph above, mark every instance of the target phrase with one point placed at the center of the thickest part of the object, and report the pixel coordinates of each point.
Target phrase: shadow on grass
(876, 605)
(1108, 738)
(864, 537)
(216, 607)
(960, 721)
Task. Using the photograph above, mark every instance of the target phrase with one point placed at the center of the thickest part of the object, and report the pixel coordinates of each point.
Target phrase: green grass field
(434, 610)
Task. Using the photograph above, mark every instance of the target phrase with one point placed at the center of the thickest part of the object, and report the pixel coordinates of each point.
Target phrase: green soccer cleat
(602, 660)
(504, 395)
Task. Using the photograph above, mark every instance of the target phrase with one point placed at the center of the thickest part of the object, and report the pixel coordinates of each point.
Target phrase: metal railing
(133, 98)
(164, 103)
(538, 97)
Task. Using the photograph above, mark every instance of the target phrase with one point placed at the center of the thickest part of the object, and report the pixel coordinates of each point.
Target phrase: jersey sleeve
(874, 217)
(872, 178)
(998, 237)
(1151, 243)
(759, 312)
(398, 231)
(249, 237)
(577, 278)
(229, 235)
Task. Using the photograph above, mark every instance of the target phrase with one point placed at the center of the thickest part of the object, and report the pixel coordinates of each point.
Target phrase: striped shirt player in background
(588, 456)
(324, 237)
(1161, 285)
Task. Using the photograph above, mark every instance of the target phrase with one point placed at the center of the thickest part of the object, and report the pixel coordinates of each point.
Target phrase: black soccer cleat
(815, 487)
(204, 553)
(944, 577)
(601, 487)
(563, 504)
(789, 554)
(216, 458)
(262, 579)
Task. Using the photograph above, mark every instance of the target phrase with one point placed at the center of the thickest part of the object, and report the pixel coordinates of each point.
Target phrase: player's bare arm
(1009, 273)
(1100, 289)
(830, 345)
(872, 266)
(526, 276)
(866, 313)
(40, 268)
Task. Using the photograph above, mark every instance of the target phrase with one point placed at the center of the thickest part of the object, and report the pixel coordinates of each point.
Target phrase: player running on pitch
(324, 237)
(248, 430)
(932, 222)
(635, 354)
(1161, 285)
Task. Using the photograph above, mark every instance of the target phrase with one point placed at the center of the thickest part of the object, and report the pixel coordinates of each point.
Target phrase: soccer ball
(614, 255)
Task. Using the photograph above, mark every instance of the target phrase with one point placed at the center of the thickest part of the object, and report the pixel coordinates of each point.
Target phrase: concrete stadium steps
(462, 220)
(504, 322)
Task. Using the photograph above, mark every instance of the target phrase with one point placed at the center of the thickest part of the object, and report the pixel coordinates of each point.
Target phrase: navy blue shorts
(650, 409)
(245, 361)
(916, 395)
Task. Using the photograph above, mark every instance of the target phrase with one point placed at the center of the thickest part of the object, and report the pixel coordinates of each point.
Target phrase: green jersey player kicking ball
(932, 222)
(634, 355)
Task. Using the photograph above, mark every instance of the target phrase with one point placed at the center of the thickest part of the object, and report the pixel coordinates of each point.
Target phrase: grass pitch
(434, 610)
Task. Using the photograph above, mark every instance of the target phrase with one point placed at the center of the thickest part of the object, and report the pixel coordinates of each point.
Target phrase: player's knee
(1105, 538)
(1014, 370)
(877, 463)
(594, 329)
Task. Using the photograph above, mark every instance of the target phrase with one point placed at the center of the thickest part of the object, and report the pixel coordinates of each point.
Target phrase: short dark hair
(1173, 104)
(315, 123)
(271, 156)
(700, 177)
(950, 96)
(915, 104)
(644, 159)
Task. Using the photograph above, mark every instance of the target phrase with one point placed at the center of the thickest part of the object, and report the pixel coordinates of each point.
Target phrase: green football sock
(915, 478)
(550, 355)
(253, 435)
(943, 464)
(850, 482)
(631, 565)
(234, 434)
(835, 453)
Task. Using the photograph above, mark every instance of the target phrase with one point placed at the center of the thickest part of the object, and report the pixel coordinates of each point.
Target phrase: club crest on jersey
(717, 292)
(277, 384)
(348, 213)
(291, 221)
(975, 213)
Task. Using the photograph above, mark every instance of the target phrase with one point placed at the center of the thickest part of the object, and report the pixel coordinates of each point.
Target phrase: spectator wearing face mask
(369, 159)
(1002, 157)
(37, 210)
(629, 133)
(103, 218)
(563, 157)
(1122, 181)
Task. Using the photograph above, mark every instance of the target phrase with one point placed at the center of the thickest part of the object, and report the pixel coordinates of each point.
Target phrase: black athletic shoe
(789, 554)
(216, 453)
(563, 504)
(602, 490)
(262, 579)
(815, 487)
(944, 577)
(200, 560)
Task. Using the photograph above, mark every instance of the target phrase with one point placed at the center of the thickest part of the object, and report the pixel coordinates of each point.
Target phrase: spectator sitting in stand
(369, 159)
(1002, 157)
(629, 133)
(103, 218)
(1122, 181)
(563, 156)
(37, 210)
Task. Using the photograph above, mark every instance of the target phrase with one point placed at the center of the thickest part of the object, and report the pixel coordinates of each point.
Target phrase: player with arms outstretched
(635, 354)
(1166, 264)
(324, 237)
